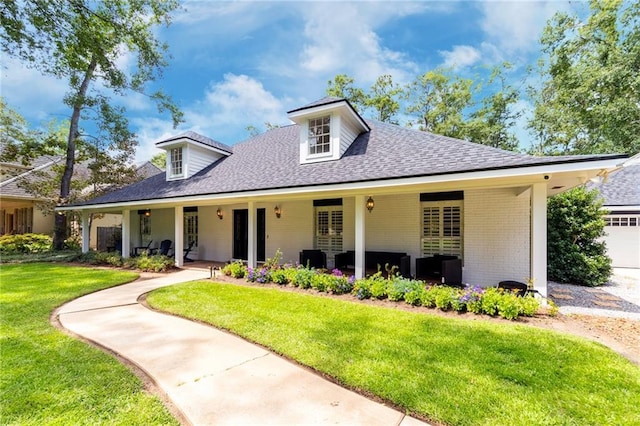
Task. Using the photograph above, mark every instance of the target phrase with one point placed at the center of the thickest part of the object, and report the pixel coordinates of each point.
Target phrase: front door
(241, 234)
(261, 237)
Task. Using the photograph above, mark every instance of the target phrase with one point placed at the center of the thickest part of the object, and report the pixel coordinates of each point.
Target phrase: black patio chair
(165, 247)
(517, 287)
(143, 249)
(187, 250)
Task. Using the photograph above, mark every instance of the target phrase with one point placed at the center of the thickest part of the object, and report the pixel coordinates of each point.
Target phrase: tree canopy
(440, 102)
(83, 42)
(589, 99)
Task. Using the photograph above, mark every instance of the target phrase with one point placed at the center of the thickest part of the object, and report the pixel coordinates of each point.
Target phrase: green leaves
(588, 101)
(574, 225)
(440, 102)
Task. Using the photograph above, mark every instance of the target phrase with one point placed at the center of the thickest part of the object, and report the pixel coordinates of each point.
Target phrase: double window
(176, 161)
(320, 135)
(328, 235)
(442, 228)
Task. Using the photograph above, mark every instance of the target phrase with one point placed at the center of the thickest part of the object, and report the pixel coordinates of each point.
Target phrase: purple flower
(336, 272)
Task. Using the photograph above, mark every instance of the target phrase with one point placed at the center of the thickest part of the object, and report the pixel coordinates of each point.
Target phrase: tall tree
(384, 98)
(81, 41)
(440, 99)
(342, 87)
(588, 100)
(491, 123)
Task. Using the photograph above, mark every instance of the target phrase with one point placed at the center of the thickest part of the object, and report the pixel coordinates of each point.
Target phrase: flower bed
(478, 300)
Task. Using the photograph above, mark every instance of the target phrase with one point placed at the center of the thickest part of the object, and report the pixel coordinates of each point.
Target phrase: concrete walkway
(212, 376)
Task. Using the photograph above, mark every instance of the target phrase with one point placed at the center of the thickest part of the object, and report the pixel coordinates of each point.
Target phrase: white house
(621, 198)
(336, 182)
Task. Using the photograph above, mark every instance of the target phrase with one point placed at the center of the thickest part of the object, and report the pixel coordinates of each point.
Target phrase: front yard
(447, 370)
(50, 378)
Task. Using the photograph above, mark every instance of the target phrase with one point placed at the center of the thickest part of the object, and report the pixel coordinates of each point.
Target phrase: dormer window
(327, 128)
(320, 135)
(176, 162)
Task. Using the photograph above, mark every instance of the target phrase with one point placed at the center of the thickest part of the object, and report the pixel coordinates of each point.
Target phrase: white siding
(197, 158)
(347, 135)
(496, 237)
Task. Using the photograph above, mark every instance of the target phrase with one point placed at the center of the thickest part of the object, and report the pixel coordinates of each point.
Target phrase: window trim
(313, 137)
(173, 162)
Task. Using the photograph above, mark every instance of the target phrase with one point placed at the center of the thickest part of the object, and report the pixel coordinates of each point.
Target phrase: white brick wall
(490, 256)
(292, 232)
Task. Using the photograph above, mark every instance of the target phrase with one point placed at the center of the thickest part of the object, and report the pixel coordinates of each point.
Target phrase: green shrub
(362, 289)
(279, 276)
(429, 297)
(303, 277)
(378, 286)
(490, 301)
(339, 284)
(415, 295)
(157, 263)
(398, 287)
(444, 297)
(74, 242)
(529, 305)
(575, 225)
(235, 269)
(509, 306)
(25, 243)
(320, 282)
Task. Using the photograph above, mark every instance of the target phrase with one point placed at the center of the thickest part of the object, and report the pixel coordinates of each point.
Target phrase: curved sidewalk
(212, 376)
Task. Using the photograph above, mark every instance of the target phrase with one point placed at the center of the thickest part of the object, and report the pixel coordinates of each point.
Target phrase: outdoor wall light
(219, 213)
(147, 213)
(278, 211)
(370, 204)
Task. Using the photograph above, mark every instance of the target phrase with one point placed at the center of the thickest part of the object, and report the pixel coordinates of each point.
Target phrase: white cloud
(515, 27)
(225, 110)
(460, 57)
(341, 37)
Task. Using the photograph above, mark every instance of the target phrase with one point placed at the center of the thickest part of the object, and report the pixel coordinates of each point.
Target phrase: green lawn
(49, 378)
(454, 371)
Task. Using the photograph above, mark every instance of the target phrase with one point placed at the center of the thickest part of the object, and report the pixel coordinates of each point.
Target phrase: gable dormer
(327, 128)
(190, 152)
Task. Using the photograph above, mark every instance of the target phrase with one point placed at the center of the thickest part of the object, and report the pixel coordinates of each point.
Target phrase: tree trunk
(65, 184)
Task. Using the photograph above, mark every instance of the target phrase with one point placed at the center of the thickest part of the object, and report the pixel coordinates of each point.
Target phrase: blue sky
(236, 64)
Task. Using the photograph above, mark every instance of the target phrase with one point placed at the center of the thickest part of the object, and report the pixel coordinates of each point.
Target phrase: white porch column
(86, 231)
(179, 236)
(252, 236)
(359, 235)
(539, 237)
(126, 231)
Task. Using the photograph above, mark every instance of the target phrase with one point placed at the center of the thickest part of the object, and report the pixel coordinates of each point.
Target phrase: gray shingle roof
(622, 187)
(196, 137)
(271, 160)
(327, 100)
(11, 187)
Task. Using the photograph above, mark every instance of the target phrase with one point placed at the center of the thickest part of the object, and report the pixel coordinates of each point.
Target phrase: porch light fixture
(370, 204)
(219, 213)
(147, 213)
(278, 211)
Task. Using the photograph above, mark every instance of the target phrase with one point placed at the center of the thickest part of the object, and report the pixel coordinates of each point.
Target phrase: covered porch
(498, 231)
